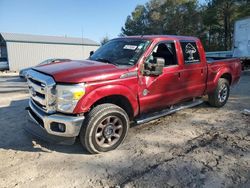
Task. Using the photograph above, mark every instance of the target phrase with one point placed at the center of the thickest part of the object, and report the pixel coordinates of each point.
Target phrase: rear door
(194, 72)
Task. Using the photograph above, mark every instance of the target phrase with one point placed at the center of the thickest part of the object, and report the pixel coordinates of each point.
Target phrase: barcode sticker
(130, 47)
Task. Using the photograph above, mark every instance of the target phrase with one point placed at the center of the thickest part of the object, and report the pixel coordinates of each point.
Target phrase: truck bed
(220, 59)
(230, 66)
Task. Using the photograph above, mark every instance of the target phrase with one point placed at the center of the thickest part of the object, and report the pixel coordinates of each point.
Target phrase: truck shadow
(14, 137)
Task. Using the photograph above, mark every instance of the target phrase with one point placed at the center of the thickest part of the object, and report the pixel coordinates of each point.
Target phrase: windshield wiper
(105, 61)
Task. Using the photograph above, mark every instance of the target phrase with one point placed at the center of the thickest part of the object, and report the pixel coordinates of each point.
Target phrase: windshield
(121, 51)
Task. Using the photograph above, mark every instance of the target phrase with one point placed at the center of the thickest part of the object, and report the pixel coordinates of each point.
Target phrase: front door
(158, 92)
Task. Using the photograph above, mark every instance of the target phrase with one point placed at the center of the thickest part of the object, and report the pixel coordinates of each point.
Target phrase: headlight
(68, 96)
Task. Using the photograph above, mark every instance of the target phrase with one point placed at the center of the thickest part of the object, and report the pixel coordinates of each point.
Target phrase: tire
(220, 96)
(104, 128)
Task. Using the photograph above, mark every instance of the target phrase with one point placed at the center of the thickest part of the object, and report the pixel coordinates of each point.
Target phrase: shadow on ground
(13, 136)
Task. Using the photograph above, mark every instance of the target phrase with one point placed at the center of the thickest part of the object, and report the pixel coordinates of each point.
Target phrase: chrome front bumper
(44, 121)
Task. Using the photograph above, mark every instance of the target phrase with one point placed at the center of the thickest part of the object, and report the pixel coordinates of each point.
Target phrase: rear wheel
(220, 96)
(104, 129)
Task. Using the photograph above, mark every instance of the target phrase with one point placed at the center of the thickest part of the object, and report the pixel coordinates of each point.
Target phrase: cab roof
(154, 37)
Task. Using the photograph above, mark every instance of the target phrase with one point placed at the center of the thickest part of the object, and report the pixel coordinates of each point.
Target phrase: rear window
(190, 52)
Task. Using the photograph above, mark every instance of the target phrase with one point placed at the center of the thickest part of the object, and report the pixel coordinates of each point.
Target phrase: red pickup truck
(131, 79)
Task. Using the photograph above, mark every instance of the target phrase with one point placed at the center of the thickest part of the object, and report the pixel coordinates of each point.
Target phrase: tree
(104, 40)
(213, 22)
(219, 18)
(136, 23)
(223, 14)
(164, 17)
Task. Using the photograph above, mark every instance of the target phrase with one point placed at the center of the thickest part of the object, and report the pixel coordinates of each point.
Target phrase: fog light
(58, 127)
(61, 127)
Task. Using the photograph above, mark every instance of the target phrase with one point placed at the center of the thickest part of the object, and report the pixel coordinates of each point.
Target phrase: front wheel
(220, 96)
(104, 129)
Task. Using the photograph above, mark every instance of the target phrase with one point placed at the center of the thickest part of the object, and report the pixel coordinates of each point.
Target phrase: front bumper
(46, 122)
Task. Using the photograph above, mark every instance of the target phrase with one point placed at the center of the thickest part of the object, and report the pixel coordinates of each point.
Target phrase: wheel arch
(119, 95)
(118, 100)
(227, 76)
(223, 73)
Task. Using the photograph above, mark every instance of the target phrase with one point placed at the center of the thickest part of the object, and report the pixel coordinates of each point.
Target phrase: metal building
(28, 50)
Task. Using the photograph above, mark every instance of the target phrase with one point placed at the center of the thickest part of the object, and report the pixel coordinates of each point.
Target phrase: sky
(93, 19)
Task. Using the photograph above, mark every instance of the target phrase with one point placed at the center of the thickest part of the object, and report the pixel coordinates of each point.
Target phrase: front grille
(42, 96)
(35, 81)
(42, 90)
(38, 104)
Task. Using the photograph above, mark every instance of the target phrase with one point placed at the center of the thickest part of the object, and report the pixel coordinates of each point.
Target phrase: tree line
(213, 22)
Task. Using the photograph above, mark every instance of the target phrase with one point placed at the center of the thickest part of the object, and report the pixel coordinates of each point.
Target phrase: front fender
(104, 91)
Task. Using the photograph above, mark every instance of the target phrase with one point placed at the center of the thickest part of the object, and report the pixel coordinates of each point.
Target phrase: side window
(167, 51)
(190, 52)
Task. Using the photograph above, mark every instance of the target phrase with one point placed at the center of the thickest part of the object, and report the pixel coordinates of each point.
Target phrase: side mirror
(153, 68)
(91, 53)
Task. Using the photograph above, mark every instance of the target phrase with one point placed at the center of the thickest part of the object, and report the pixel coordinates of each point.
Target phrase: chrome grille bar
(37, 88)
(41, 88)
(39, 100)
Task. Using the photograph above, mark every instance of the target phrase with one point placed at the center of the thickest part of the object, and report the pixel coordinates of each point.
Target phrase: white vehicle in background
(4, 65)
(241, 47)
(242, 41)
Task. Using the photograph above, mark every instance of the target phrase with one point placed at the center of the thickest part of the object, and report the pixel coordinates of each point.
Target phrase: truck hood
(81, 71)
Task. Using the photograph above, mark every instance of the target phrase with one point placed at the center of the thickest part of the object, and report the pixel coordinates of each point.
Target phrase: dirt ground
(197, 147)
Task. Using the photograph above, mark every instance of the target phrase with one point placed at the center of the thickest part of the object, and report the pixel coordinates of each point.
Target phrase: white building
(29, 50)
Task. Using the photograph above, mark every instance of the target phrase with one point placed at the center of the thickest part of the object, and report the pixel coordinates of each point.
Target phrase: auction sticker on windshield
(129, 47)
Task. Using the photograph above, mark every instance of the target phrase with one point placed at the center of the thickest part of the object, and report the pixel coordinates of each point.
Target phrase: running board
(172, 109)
